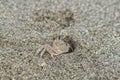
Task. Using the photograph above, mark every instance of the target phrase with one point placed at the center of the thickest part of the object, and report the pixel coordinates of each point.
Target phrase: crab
(58, 47)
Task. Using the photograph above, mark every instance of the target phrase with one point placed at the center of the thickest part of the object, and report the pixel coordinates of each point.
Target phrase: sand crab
(58, 47)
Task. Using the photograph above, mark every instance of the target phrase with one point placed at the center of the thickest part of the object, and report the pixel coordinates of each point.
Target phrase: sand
(92, 25)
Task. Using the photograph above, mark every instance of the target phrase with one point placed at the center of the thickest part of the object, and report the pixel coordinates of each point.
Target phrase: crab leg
(46, 48)
(50, 50)
(40, 50)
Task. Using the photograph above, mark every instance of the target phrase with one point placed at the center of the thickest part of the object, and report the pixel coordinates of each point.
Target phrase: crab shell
(60, 46)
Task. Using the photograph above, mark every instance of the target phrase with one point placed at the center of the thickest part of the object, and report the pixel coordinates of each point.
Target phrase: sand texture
(92, 27)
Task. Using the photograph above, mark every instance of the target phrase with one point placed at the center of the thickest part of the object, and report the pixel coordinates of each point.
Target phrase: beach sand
(92, 25)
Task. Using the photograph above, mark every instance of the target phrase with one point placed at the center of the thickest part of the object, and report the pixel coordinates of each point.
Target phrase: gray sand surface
(92, 25)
